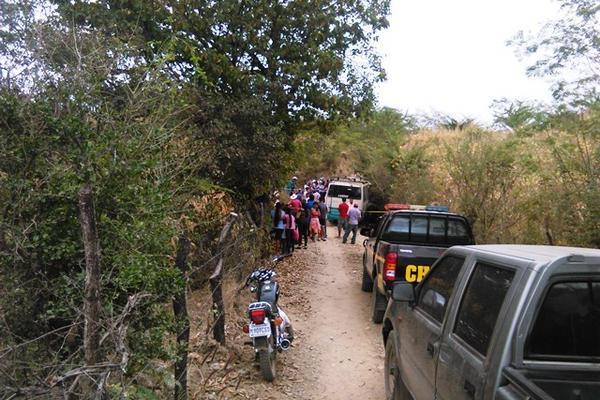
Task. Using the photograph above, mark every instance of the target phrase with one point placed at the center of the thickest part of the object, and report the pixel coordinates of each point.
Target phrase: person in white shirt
(354, 216)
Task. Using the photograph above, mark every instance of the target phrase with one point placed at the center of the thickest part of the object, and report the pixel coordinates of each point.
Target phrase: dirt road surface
(338, 354)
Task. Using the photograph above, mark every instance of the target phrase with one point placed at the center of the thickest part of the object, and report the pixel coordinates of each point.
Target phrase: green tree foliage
(53, 144)
(577, 156)
(158, 106)
(301, 57)
(365, 145)
(521, 117)
(568, 51)
(483, 174)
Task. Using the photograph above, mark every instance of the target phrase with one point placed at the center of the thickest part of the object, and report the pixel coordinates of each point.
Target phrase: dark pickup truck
(497, 322)
(403, 246)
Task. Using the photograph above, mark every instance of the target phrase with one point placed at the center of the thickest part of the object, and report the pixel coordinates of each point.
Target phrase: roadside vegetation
(538, 186)
(131, 131)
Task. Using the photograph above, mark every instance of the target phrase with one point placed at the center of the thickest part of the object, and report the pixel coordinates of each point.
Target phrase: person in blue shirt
(354, 216)
(310, 202)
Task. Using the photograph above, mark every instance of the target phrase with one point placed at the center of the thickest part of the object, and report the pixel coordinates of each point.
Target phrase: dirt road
(338, 353)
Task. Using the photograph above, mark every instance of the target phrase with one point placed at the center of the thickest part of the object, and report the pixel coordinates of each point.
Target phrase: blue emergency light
(432, 207)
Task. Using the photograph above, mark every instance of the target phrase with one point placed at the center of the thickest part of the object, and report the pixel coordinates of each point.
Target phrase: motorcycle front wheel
(266, 358)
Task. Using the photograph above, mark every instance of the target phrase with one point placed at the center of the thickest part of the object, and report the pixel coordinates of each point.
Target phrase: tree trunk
(91, 301)
(216, 281)
(181, 314)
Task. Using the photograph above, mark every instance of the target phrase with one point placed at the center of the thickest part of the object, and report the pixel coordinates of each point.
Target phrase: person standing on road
(323, 219)
(315, 227)
(316, 196)
(278, 228)
(310, 202)
(290, 226)
(303, 222)
(295, 204)
(354, 216)
(343, 217)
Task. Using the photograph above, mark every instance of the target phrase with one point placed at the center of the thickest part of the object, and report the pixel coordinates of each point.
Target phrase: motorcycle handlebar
(275, 260)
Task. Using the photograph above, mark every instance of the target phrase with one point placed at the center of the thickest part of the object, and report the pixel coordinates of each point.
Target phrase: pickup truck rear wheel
(367, 282)
(394, 387)
(378, 304)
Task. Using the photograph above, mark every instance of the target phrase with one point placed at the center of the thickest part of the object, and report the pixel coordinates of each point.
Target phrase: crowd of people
(303, 215)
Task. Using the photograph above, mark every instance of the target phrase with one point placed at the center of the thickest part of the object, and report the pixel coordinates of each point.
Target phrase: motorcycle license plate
(260, 330)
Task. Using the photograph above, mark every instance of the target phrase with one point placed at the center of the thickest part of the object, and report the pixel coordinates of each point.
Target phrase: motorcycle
(269, 328)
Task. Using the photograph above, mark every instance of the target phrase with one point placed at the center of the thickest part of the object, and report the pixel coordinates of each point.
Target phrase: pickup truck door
(470, 331)
(421, 327)
(372, 244)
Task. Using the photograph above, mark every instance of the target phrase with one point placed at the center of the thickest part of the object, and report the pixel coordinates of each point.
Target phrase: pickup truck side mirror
(403, 291)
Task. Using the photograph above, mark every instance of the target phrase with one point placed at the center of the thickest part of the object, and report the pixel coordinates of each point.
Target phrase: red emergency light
(396, 206)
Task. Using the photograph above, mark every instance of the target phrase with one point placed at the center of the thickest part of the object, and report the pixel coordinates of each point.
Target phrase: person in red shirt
(296, 205)
(343, 217)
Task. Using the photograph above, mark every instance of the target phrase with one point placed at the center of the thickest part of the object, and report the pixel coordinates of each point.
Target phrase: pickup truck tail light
(389, 268)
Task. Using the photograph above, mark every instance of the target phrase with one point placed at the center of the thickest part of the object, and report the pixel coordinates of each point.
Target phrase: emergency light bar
(416, 207)
(396, 206)
(432, 207)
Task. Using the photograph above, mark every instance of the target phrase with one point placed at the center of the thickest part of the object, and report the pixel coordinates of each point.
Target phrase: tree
(577, 157)
(152, 104)
(519, 116)
(60, 133)
(303, 58)
(568, 51)
(483, 175)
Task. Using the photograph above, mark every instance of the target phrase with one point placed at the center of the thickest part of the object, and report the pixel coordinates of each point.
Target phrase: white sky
(451, 56)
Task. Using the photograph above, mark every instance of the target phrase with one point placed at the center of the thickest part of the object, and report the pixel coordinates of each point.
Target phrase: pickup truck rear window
(426, 228)
(567, 327)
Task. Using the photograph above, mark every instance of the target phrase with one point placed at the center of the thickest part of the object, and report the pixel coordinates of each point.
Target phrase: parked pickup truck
(404, 245)
(497, 322)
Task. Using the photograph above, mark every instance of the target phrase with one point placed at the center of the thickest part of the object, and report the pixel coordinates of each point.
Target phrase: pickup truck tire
(378, 305)
(367, 282)
(394, 387)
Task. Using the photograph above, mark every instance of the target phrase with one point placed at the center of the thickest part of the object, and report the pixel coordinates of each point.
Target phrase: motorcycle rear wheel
(266, 360)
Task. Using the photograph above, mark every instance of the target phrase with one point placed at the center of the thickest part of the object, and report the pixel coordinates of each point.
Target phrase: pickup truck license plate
(260, 330)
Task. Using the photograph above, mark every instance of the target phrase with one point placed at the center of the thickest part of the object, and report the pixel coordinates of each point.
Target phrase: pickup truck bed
(404, 246)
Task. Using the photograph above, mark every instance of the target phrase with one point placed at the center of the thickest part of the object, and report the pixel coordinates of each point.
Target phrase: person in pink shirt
(289, 221)
(315, 226)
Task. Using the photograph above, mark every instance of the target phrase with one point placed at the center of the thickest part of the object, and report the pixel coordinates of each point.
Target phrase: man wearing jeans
(354, 216)
(343, 208)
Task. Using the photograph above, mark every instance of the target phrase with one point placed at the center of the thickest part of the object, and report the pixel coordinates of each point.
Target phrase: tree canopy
(304, 58)
(568, 51)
